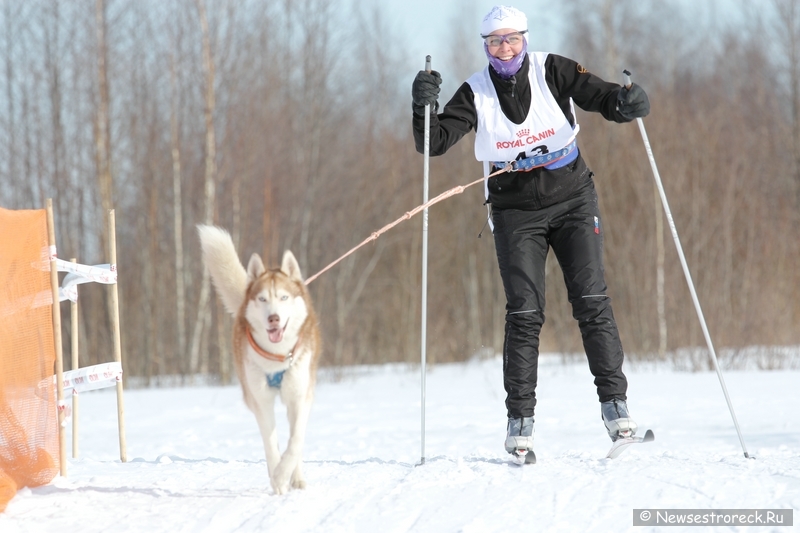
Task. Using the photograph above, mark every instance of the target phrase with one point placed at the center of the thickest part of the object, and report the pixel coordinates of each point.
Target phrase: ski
(620, 445)
(523, 457)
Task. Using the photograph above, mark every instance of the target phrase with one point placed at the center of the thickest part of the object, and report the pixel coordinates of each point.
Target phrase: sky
(424, 25)
(196, 463)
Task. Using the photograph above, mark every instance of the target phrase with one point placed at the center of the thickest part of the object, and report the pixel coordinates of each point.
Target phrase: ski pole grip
(627, 77)
(427, 63)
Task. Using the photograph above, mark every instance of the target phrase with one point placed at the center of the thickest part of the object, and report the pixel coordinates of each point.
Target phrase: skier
(521, 108)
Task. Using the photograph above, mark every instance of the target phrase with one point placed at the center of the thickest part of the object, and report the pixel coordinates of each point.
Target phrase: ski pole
(424, 329)
(686, 272)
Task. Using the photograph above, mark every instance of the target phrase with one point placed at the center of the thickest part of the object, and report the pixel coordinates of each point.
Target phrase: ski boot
(617, 420)
(519, 440)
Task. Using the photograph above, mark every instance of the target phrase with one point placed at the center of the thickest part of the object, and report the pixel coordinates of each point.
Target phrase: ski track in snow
(196, 460)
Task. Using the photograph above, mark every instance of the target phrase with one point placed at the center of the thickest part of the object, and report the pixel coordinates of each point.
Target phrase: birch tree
(210, 174)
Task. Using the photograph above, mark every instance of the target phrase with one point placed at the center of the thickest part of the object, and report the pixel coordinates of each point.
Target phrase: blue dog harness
(274, 380)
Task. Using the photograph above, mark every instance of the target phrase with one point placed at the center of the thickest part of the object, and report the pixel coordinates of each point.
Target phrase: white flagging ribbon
(77, 274)
(88, 378)
(92, 377)
(82, 380)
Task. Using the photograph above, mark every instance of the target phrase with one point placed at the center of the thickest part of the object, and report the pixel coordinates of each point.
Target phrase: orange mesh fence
(28, 420)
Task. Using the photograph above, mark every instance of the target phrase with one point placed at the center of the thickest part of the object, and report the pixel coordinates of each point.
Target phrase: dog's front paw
(298, 481)
(280, 486)
(279, 490)
(280, 479)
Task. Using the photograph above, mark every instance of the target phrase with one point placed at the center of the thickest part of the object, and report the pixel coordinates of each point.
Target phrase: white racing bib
(544, 130)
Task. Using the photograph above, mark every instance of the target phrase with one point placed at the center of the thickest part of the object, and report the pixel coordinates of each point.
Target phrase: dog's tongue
(275, 335)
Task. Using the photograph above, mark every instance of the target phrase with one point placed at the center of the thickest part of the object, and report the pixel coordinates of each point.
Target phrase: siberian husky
(276, 345)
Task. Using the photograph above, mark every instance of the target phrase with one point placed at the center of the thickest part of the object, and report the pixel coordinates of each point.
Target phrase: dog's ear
(290, 267)
(255, 267)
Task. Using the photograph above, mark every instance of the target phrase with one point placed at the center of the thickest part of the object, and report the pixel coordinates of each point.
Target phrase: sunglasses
(511, 38)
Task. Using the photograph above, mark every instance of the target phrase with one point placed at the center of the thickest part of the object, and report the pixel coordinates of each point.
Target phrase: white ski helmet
(504, 17)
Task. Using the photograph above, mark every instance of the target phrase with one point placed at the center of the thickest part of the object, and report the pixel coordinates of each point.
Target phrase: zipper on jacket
(515, 98)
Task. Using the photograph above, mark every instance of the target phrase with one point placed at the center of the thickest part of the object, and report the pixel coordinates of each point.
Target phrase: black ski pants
(522, 239)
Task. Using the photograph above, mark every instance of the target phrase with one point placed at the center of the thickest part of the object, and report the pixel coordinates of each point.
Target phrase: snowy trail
(197, 462)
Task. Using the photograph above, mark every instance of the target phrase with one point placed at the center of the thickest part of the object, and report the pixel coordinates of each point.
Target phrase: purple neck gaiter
(506, 69)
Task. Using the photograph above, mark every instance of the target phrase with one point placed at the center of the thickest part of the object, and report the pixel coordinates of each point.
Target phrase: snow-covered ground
(196, 461)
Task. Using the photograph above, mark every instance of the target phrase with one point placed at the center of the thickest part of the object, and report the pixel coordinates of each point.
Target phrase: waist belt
(536, 161)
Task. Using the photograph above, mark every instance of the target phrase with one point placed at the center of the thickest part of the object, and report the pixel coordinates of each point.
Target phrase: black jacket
(539, 187)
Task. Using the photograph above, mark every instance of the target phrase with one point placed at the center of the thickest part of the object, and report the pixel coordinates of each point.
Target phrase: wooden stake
(62, 435)
(73, 316)
(112, 247)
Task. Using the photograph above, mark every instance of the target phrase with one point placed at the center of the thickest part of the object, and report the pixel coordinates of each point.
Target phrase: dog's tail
(222, 261)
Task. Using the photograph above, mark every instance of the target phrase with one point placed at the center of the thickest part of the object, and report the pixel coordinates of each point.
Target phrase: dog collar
(265, 354)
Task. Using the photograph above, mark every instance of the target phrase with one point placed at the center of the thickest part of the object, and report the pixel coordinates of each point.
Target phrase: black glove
(425, 89)
(633, 103)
